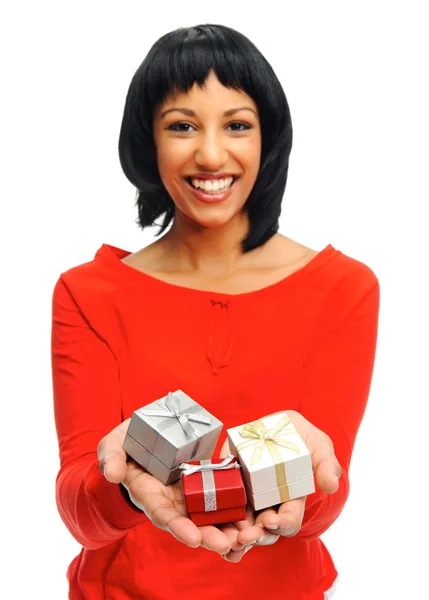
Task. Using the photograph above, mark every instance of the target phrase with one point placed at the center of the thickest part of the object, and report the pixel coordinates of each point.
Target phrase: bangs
(178, 64)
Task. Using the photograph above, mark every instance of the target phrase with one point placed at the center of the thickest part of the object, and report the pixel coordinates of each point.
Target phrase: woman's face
(197, 141)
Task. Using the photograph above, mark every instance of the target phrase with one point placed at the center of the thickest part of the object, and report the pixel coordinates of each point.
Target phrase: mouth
(214, 193)
(211, 196)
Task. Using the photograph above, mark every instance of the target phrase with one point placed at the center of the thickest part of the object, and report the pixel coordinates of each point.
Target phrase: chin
(217, 219)
(210, 223)
(216, 222)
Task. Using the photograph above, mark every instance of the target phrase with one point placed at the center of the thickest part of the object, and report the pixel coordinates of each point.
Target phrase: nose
(211, 152)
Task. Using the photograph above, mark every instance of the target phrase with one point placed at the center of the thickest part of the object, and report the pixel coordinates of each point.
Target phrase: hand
(286, 520)
(164, 505)
(265, 527)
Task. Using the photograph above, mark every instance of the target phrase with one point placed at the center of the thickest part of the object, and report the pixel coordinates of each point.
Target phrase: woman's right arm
(91, 432)
(87, 405)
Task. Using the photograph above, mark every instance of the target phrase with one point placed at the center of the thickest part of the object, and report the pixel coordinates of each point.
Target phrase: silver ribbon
(206, 467)
(172, 404)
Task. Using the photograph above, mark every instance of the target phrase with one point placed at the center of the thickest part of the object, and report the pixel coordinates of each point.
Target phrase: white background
(355, 74)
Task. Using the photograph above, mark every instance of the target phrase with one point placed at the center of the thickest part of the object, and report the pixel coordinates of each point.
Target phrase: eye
(175, 127)
(240, 125)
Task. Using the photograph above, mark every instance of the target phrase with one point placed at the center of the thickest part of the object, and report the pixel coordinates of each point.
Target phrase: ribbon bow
(271, 438)
(209, 466)
(172, 404)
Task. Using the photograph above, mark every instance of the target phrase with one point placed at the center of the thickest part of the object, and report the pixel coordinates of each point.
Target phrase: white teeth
(213, 185)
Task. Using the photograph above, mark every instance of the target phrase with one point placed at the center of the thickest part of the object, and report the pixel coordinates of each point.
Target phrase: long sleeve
(337, 385)
(87, 404)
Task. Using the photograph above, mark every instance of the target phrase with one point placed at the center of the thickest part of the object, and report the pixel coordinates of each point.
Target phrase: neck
(213, 251)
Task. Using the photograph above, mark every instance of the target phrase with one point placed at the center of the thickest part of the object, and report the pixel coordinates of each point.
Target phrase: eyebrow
(190, 113)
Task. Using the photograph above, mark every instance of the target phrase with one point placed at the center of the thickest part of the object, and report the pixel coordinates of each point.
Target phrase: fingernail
(272, 527)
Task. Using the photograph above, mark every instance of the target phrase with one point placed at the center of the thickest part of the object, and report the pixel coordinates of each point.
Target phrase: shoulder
(351, 275)
(334, 268)
(338, 283)
(329, 266)
(87, 295)
(348, 292)
(84, 299)
(88, 284)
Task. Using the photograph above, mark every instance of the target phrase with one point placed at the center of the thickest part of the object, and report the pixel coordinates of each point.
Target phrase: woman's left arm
(337, 385)
(339, 369)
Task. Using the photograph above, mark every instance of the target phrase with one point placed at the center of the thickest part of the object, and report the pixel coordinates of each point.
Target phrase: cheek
(170, 159)
(250, 155)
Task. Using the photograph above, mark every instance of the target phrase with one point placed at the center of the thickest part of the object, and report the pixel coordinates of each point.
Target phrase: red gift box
(214, 496)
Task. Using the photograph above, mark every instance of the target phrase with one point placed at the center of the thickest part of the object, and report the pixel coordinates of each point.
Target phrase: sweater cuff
(109, 501)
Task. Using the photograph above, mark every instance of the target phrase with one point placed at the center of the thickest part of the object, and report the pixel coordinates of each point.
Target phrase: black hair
(177, 61)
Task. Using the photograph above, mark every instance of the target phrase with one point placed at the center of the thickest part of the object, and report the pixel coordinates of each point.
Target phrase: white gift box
(278, 495)
(276, 463)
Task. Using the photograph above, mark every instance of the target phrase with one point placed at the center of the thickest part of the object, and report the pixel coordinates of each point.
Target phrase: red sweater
(122, 338)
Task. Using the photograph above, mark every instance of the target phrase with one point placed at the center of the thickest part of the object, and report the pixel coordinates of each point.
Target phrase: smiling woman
(243, 319)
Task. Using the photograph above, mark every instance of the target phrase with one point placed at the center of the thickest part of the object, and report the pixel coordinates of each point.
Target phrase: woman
(245, 320)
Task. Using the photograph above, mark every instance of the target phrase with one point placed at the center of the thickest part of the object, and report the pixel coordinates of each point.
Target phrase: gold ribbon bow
(261, 437)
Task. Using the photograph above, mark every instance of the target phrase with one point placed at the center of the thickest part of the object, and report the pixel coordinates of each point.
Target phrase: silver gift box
(160, 443)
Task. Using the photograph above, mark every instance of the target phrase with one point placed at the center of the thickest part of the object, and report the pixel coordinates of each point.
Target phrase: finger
(266, 538)
(327, 468)
(112, 457)
(253, 528)
(251, 535)
(288, 520)
(165, 516)
(269, 515)
(231, 533)
(214, 539)
(272, 536)
(113, 465)
(235, 557)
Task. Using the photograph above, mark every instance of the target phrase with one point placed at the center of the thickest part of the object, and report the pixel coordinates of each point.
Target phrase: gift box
(214, 491)
(169, 431)
(276, 464)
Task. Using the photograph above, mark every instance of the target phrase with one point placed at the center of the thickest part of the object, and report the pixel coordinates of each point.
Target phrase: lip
(210, 198)
(207, 176)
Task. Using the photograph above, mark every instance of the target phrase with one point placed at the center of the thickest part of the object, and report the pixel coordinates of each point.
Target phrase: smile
(213, 195)
(212, 186)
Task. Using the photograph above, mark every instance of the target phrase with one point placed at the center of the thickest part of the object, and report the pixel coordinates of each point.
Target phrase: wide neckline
(113, 256)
